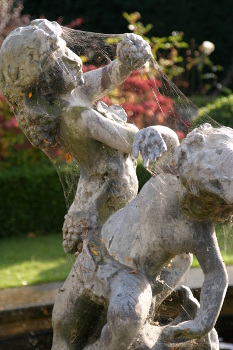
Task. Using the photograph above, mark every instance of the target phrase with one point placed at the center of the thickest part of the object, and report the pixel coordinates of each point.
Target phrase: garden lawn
(41, 259)
(32, 260)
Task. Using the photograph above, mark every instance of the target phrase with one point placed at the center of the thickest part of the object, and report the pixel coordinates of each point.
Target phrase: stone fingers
(133, 50)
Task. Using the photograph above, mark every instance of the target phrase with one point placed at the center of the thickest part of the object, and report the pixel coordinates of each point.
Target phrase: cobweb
(148, 97)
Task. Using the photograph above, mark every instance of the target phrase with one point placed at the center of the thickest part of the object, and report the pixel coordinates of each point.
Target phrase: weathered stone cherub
(170, 216)
(55, 103)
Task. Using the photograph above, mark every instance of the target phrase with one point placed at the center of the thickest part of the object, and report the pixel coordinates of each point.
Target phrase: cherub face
(70, 63)
(62, 71)
(74, 63)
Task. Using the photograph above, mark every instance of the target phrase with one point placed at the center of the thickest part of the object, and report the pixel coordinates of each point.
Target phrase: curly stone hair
(204, 161)
(31, 76)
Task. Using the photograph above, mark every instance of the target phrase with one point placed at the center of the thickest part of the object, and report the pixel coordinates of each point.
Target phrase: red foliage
(15, 149)
(144, 105)
(10, 124)
(181, 135)
(76, 23)
(88, 68)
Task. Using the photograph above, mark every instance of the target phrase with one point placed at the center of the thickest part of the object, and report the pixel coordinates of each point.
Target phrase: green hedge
(32, 200)
(220, 111)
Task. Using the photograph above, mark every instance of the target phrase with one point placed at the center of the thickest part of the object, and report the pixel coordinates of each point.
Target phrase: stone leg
(170, 277)
(152, 337)
(74, 315)
(128, 309)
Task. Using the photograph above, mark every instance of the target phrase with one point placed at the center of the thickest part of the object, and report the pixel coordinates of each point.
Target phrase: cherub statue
(55, 103)
(170, 216)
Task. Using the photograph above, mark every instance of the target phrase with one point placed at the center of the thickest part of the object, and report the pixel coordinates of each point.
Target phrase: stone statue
(111, 292)
(172, 215)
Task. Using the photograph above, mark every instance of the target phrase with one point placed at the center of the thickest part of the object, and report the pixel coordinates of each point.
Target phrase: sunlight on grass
(34, 260)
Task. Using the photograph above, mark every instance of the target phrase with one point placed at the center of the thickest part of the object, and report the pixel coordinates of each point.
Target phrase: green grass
(40, 259)
(225, 241)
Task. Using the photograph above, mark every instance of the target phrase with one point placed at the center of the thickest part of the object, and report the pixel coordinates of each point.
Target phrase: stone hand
(185, 330)
(75, 229)
(133, 51)
(150, 143)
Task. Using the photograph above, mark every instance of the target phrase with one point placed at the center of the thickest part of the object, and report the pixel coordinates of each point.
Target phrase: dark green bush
(32, 200)
(220, 110)
(142, 174)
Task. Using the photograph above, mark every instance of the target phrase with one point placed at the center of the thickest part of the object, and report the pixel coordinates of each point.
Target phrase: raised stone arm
(132, 53)
(212, 292)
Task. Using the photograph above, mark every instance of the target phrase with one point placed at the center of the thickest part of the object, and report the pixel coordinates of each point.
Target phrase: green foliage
(201, 101)
(31, 200)
(142, 174)
(220, 110)
(164, 49)
(189, 64)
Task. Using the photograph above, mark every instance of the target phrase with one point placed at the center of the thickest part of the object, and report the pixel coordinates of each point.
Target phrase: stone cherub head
(205, 161)
(35, 61)
(37, 58)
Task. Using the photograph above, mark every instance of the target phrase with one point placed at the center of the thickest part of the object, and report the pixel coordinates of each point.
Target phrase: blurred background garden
(193, 43)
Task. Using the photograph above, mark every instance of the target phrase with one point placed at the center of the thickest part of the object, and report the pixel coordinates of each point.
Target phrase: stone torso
(152, 229)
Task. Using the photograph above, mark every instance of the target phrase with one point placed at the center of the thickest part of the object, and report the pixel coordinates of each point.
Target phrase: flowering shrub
(189, 66)
(140, 98)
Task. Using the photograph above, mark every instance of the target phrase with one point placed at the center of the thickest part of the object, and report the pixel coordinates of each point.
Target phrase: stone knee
(124, 322)
(128, 308)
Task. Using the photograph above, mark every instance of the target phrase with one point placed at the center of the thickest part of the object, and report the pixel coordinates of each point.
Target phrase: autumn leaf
(68, 157)
(186, 330)
(94, 251)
